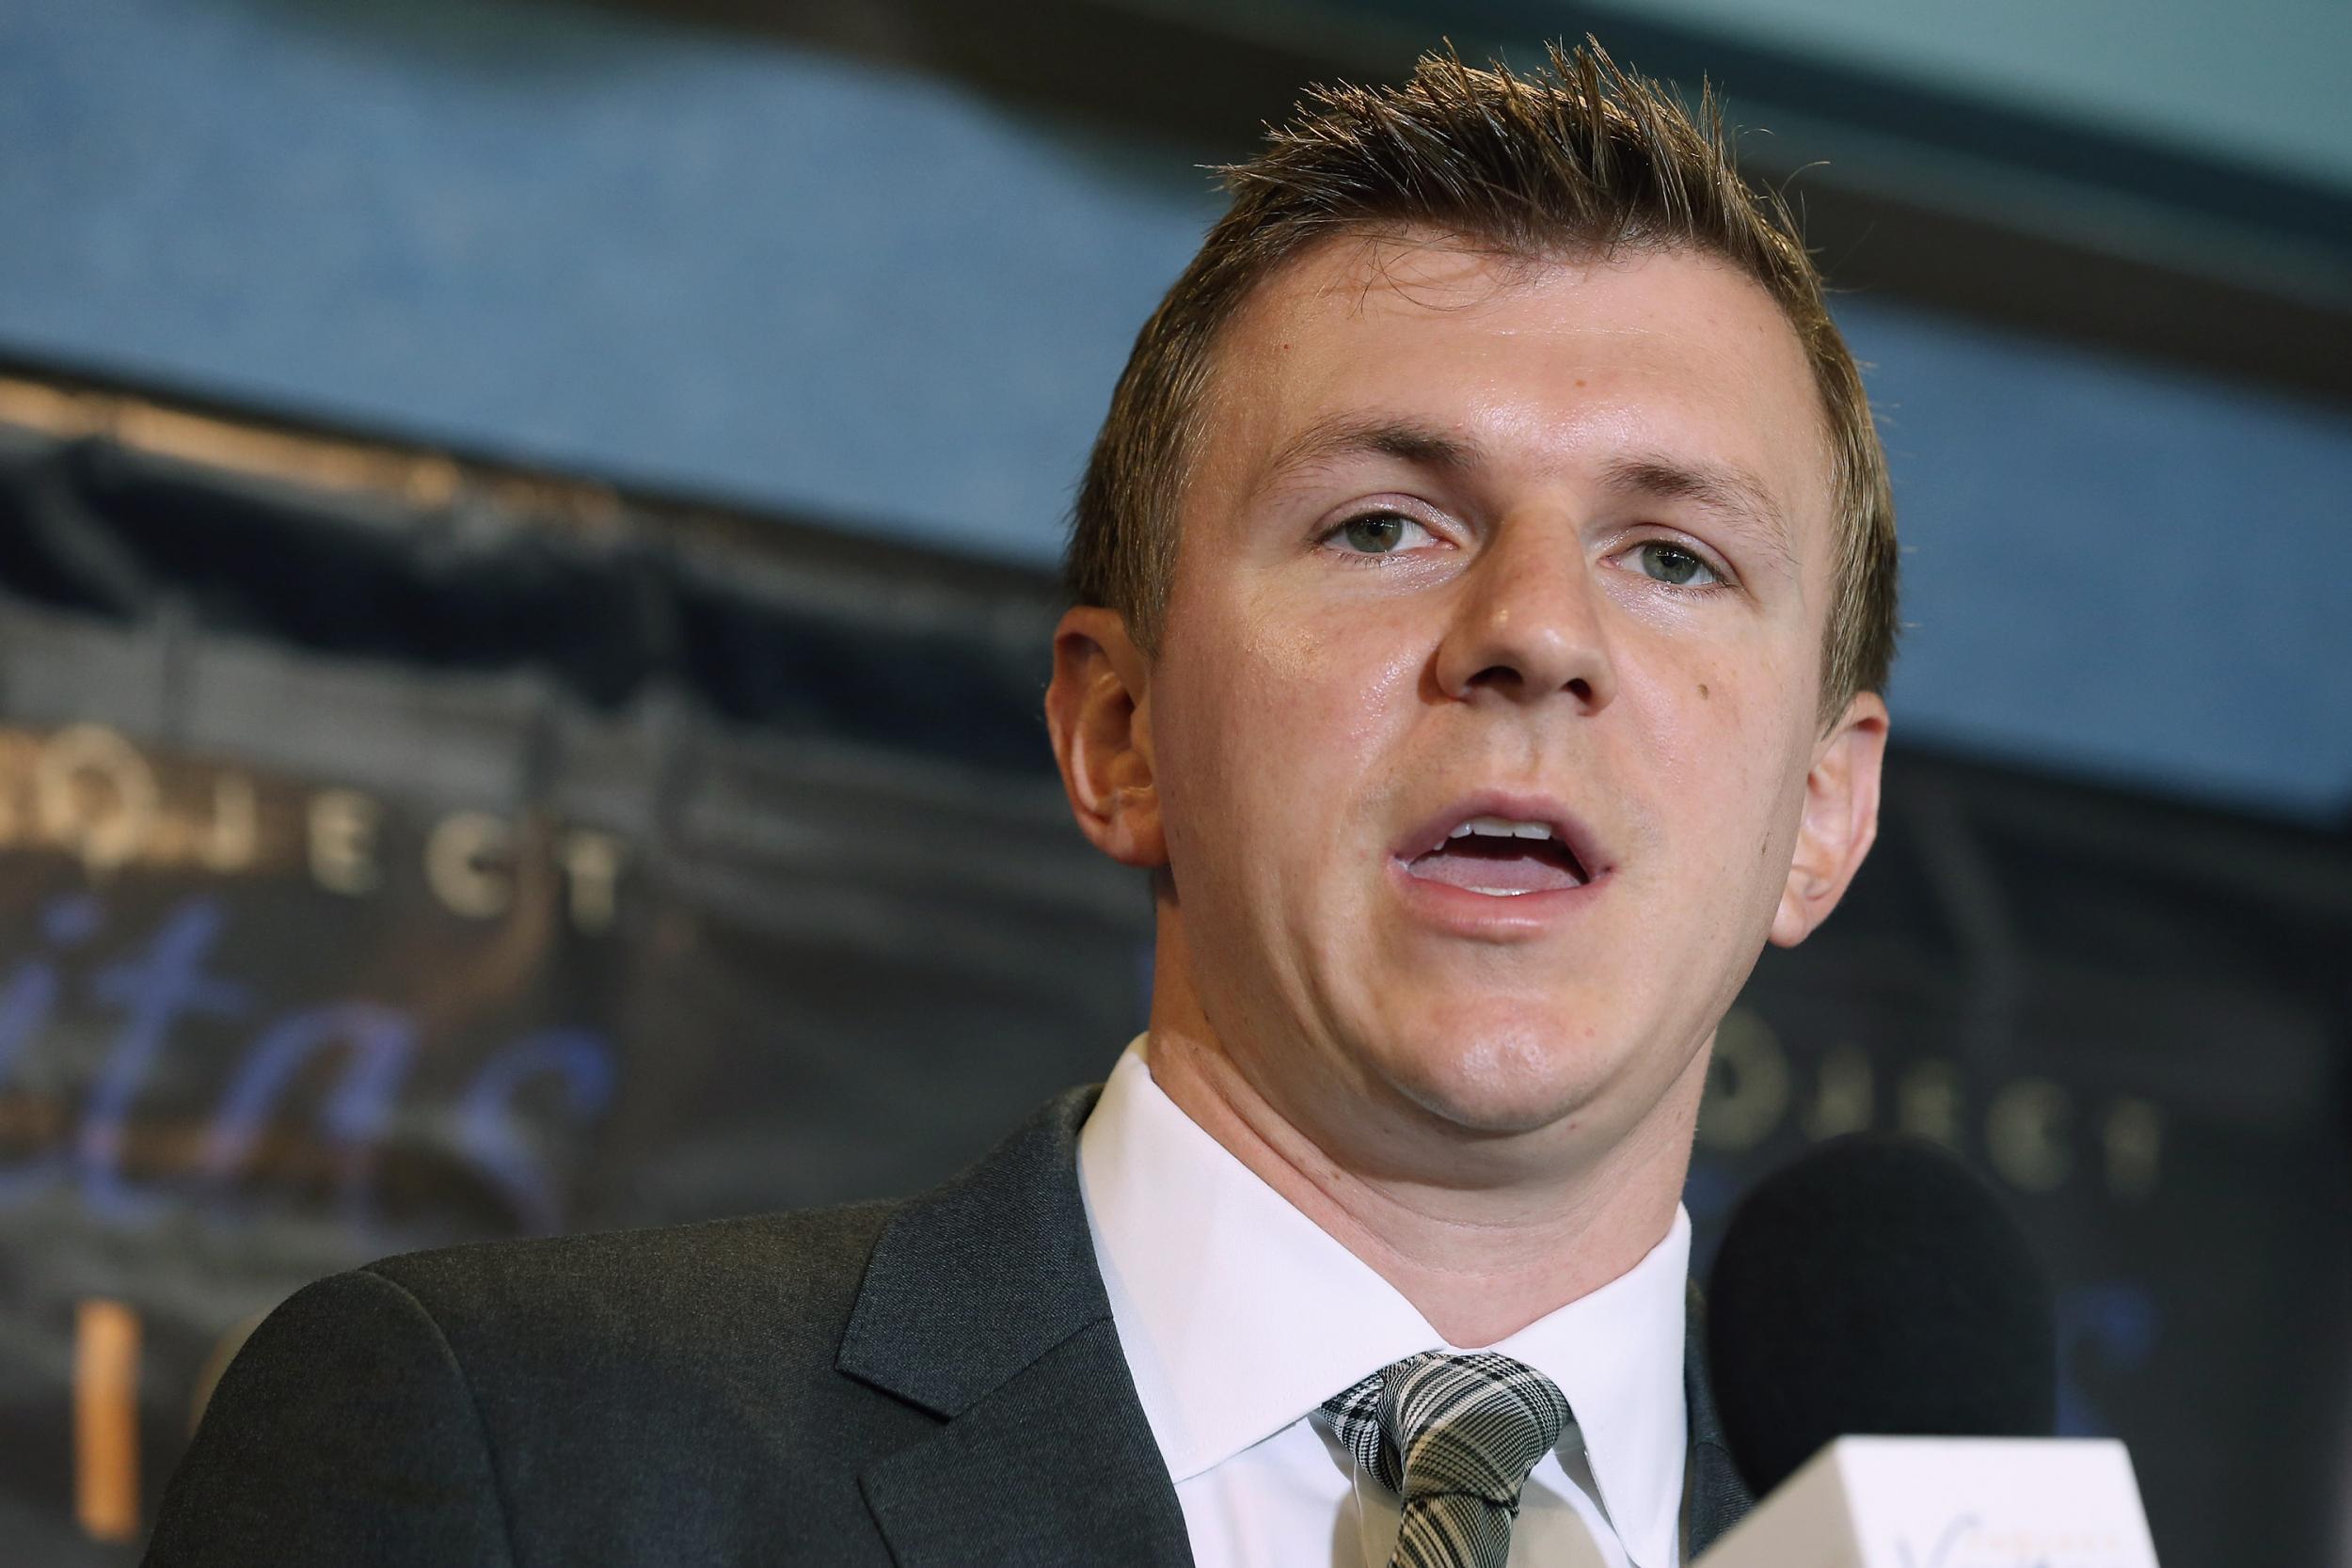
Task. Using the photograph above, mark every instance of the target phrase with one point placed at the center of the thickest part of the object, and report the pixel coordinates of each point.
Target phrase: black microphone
(1875, 1286)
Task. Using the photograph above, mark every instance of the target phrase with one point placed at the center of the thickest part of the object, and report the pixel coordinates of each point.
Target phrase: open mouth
(1502, 857)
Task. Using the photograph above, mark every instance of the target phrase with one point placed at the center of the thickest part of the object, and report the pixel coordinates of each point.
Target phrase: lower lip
(1493, 915)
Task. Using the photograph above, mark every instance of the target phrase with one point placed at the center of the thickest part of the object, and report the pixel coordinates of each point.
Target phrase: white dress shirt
(1239, 1317)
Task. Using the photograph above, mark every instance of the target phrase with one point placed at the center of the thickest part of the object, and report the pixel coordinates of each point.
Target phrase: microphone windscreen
(1876, 1286)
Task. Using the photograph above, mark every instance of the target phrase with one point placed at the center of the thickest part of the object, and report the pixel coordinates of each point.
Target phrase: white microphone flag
(1949, 1502)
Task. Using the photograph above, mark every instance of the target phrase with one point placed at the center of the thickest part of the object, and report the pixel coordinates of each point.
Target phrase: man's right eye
(1378, 532)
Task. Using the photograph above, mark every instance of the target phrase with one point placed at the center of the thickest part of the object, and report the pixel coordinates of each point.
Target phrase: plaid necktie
(1455, 1435)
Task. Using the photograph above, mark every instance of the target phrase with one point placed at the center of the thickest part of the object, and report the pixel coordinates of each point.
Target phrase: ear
(1841, 818)
(1099, 709)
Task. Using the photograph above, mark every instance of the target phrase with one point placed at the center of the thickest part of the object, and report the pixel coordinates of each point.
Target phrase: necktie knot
(1454, 1434)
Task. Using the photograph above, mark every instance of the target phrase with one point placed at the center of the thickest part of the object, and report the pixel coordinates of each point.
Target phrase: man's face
(1476, 551)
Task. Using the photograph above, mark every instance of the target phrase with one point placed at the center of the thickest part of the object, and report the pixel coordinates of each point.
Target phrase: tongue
(1468, 863)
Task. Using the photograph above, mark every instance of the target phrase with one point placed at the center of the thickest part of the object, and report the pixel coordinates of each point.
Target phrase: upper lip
(1566, 826)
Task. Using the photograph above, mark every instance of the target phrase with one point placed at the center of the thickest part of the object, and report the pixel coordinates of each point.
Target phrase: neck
(1480, 1261)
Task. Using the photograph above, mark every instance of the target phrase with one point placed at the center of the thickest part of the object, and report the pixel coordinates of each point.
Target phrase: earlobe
(1098, 711)
(1840, 822)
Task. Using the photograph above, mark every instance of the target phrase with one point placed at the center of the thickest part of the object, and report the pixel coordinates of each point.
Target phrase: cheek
(1273, 725)
(1297, 696)
(1730, 745)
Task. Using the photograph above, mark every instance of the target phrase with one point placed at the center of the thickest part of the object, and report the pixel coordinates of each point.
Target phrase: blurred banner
(401, 853)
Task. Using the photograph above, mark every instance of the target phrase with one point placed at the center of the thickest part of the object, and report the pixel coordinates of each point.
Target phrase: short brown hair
(1581, 158)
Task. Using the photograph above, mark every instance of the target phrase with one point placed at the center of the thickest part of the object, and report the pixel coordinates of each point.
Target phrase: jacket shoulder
(783, 1261)
(626, 1397)
(639, 1391)
(766, 1295)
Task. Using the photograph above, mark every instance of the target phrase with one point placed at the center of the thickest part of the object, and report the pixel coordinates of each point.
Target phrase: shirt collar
(1238, 1315)
(1616, 1353)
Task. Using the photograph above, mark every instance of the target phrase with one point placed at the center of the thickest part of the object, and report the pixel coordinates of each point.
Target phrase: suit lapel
(1718, 1498)
(984, 1305)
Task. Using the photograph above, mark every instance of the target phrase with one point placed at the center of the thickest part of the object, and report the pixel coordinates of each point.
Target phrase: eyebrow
(1730, 492)
(1329, 440)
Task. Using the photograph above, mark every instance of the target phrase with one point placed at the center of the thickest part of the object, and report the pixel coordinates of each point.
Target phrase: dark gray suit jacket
(929, 1383)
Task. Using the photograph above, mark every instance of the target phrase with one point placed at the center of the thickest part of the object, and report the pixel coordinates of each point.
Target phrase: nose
(1530, 623)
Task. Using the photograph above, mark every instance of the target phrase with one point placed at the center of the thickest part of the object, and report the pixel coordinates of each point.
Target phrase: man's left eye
(1671, 564)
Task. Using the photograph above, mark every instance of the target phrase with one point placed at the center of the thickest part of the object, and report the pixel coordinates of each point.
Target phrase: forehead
(1547, 369)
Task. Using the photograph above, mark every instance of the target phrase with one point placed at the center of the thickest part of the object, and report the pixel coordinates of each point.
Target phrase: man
(1483, 582)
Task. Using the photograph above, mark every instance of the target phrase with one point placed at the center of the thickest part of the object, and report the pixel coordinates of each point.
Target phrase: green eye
(1375, 533)
(1672, 563)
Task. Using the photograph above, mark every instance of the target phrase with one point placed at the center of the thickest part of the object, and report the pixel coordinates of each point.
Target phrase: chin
(1504, 1074)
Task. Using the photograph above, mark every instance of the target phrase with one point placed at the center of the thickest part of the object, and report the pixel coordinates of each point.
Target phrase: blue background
(786, 280)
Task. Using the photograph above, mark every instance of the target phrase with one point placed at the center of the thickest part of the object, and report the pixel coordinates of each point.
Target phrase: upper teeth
(1501, 827)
